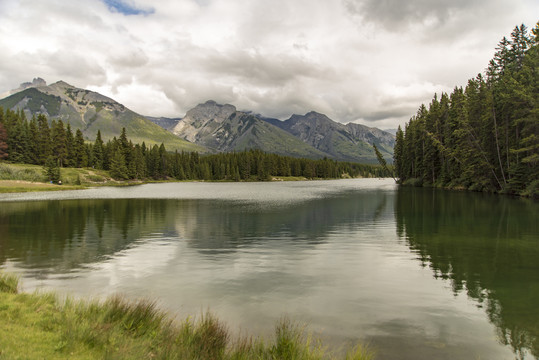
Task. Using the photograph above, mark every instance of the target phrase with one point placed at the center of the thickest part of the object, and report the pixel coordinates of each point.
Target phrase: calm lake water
(416, 273)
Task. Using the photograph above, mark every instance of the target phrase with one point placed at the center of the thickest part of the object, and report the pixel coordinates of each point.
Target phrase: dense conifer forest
(54, 145)
(484, 137)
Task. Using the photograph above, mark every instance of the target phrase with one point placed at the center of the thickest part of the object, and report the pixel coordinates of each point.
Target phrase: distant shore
(16, 178)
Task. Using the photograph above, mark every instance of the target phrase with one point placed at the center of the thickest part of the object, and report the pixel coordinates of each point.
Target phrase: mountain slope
(351, 142)
(90, 111)
(164, 122)
(223, 128)
(208, 126)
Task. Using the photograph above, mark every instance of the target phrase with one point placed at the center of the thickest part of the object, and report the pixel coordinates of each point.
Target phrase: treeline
(484, 137)
(36, 142)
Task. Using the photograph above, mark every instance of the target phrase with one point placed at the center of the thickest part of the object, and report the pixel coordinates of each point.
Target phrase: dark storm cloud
(355, 60)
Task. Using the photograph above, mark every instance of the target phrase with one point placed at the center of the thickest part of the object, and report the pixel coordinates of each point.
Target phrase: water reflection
(488, 247)
(325, 253)
(59, 236)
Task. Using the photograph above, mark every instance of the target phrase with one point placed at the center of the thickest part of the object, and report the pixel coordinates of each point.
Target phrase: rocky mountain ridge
(208, 127)
(90, 111)
(342, 141)
(224, 128)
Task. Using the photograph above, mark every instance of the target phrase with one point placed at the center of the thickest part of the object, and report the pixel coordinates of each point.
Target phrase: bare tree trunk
(507, 144)
(498, 145)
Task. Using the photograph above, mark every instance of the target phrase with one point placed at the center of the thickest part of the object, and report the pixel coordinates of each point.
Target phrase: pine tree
(163, 163)
(139, 163)
(59, 148)
(44, 140)
(33, 142)
(152, 162)
(118, 168)
(79, 150)
(3, 141)
(70, 147)
(98, 152)
(16, 140)
(52, 170)
(126, 147)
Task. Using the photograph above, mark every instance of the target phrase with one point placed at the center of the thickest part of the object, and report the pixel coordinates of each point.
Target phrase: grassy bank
(40, 326)
(13, 186)
(25, 177)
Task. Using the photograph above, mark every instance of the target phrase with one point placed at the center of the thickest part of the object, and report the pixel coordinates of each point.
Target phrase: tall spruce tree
(398, 154)
(33, 142)
(59, 148)
(118, 168)
(70, 147)
(3, 141)
(44, 140)
(98, 152)
(79, 150)
(17, 140)
(52, 169)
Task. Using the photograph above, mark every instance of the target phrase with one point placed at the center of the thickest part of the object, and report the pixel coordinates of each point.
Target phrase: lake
(416, 273)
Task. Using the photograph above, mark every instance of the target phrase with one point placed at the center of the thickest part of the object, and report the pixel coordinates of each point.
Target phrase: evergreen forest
(53, 145)
(485, 136)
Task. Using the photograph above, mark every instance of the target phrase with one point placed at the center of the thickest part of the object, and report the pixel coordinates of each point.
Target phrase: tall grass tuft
(9, 283)
(136, 317)
(291, 342)
(360, 352)
(9, 172)
(120, 329)
(209, 338)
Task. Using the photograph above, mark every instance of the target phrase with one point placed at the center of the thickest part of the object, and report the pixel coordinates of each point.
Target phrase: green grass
(19, 188)
(40, 326)
(25, 178)
(36, 173)
(21, 172)
(9, 283)
(29, 178)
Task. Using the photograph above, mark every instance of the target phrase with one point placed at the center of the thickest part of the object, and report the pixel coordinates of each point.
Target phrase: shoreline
(21, 178)
(116, 327)
(21, 186)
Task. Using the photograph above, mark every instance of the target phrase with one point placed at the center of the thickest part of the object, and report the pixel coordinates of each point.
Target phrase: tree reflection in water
(487, 246)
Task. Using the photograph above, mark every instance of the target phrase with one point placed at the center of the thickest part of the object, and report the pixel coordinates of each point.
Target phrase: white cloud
(355, 60)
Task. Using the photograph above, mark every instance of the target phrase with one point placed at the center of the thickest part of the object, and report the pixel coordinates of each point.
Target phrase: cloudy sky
(367, 61)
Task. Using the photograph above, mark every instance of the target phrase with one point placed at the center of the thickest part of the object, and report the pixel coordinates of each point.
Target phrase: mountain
(391, 131)
(314, 135)
(165, 122)
(34, 83)
(207, 127)
(223, 128)
(350, 142)
(90, 111)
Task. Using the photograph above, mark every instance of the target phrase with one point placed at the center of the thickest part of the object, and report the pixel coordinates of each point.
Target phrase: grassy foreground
(40, 326)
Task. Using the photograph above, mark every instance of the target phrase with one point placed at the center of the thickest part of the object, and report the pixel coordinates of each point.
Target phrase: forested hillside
(484, 137)
(35, 142)
(89, 111)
